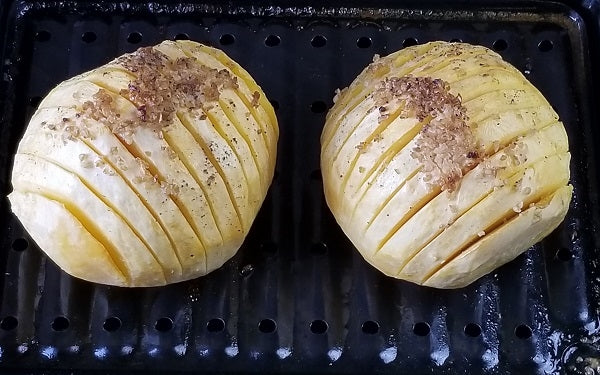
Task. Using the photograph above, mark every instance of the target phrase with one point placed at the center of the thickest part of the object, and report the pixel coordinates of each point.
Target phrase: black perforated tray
(298, 298)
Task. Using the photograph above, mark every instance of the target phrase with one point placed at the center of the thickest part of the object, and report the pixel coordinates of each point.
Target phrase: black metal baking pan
(298, 298)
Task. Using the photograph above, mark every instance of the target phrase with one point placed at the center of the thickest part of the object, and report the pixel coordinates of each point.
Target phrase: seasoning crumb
(169, 188)
(255, 99)
(517, 208)
(210, 179)
(108, 171)
(337, 94)
(85, 160)
(99, 163)
(481, 233)
(361, 169)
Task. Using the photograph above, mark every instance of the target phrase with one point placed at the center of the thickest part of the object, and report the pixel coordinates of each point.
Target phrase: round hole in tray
(272, 40)
(421, 329)
(43, 36)
(227, 39)
(318, 327)
(60, 323)
(134, 37)
(364, 42)
(318, 106)
(564, 254)
(472, 330)
(523, 331)
(320, 248)
(275, 104)
(182, 36)
(112, 324)
(34, 101)
(267, 326)
(247, 270)
(545, 45)
(500, 45)
(455, 40)
(370, 327)
(318, 41)
(20, 244)
(316, 175)
(164, 324)
(88, 36)
(409, 42)
(215, 325)
(9, 323)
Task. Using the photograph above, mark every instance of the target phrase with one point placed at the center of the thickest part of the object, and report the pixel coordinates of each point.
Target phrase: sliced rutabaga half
(148, 170)
(442, 162)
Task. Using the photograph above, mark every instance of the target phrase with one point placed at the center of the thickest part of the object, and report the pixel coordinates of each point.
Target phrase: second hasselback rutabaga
(442, 162)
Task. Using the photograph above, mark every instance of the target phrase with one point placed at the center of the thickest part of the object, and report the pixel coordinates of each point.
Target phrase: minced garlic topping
(161, 87)
(446, 145)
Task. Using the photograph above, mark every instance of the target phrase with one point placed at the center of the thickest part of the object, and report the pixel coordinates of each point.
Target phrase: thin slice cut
(525, 229)
(95, 263)
(36, 175)
(389, 143)
(520, 190)
(94, 170)
(475, 186)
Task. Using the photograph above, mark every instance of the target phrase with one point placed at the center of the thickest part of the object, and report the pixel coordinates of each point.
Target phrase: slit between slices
(413, 209)
(384, 159)
(108, 204)
(239, 72)
(361, 96)
(507, 217)
(256, 118)
(236, 124)
(220, 129)
(211, 157)
(154, 171)
(425, 72)
(250, 86)
(387, 200)
(428, 71)
(367, 141)
(91, 228)
(362, 117)
(150, 209)
(516, 170)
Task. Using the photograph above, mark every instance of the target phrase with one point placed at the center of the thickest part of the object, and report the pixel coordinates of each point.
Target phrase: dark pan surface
(298, 298)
